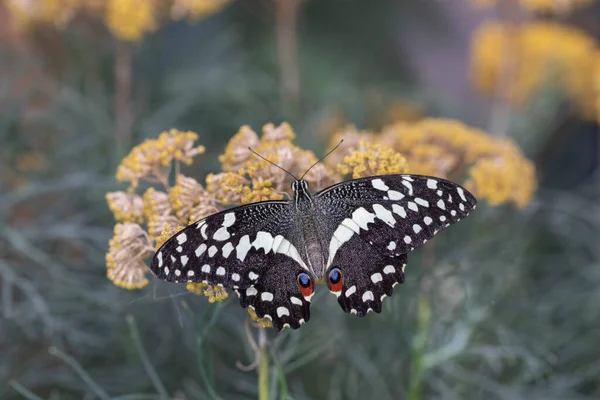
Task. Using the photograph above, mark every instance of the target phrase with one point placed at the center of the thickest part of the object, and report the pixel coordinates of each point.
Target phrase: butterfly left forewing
(374, 222)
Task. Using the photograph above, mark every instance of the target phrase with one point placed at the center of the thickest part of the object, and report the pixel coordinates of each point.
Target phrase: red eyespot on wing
(335, 280)
(305, 284)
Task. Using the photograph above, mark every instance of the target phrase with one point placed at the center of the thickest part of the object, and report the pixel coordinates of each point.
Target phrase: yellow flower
(130, 20)
(152, 159)
(369, 159)
(520, 60)
(197, 9)
(262, 322)
(127, 250)
(214, 293)
(126, 207)
(543, 6)
(227, 187)
(495, 169)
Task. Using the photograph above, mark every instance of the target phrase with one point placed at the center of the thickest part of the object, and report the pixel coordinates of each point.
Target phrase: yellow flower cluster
(368, 159)
(152, 159)
(249, 178)
(128, 20)
(494, 169)
(519, 60)
(244, 178)
(542, 6)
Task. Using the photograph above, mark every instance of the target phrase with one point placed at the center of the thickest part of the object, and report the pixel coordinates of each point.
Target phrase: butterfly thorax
(305, 209)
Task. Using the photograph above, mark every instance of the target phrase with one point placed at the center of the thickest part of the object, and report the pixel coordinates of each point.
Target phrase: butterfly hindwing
(367, 277)
(275, 294)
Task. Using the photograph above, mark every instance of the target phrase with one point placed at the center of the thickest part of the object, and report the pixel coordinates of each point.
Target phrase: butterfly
(354, 235)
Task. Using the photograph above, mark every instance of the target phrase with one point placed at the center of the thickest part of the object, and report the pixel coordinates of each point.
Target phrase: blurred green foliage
(515, 300)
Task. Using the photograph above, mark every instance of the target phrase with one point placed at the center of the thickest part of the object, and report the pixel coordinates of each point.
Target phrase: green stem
(263, 369)
(415, 390)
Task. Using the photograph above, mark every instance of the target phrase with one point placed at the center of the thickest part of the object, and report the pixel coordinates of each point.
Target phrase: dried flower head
(237, 152)
(214, 293)
(126, 207)
(190, 200)
(262, 322)
(128, 248)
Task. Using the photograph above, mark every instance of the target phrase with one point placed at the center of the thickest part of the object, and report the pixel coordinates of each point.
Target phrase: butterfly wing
(251, 249)
(374, 222)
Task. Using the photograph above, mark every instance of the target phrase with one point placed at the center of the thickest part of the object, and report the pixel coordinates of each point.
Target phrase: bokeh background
(504, 305)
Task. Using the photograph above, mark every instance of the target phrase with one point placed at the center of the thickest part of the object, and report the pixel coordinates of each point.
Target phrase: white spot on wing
(394, 195)
(351, 291)
(407, 239)
(461, 193)
(266, 296)
(391, 246)
(179, 249)
(399, 210)
(384, 214)
(264, 240)
(235, 277)
(427, 220)
(203, 231)
(441, 204)
(253, 276)
(206, 269)
(417, 228)
(221, 234)
(228, 219)
(243, 247)
(200, 250)
(376, 277)
(221, 271)
(184, 260)
(281, 311)
(166, 270)
(368, 295)
(432, 183)
(160, 260)
(181, 238)
(251, 291)
(190, 273)
(295, 300)
(212, 250)
(362, 218)
(227, 249)
(413, 206)
(379, 184)
(408, 186)
(177, 272)
(421, 202)
(389, 269)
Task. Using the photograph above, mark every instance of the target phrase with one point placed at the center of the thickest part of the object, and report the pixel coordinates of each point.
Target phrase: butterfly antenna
(322, 158)
(272, 163)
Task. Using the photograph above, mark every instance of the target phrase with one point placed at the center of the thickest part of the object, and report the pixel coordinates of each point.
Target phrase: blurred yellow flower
(519, 60)
(27, 12)
(262, 322)
(543, 6)
(214, 293)
(130, 20)
(197, 9)
(494, 169)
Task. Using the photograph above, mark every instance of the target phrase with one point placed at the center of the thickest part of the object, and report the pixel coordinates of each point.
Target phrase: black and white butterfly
(355, 235)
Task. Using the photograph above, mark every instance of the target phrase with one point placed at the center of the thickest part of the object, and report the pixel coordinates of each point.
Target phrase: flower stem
(286, 13)
(263, 369)
(423, 322)
(123, 81)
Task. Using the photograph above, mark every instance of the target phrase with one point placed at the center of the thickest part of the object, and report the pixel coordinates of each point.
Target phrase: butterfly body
(354, 235)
